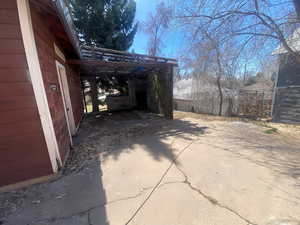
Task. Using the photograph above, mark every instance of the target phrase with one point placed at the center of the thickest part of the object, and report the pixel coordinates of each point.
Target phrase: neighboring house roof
(260, 86)
(183, 89)
(293, 42)
(186, 88)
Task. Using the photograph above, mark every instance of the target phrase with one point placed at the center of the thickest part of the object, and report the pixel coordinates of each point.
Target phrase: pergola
(106, 63)
(98, 61)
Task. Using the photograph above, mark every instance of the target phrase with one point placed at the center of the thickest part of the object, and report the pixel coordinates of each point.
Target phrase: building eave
(67, 21)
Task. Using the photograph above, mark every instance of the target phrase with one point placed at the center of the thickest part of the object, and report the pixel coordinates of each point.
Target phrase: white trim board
(36, 77)
(65, 94)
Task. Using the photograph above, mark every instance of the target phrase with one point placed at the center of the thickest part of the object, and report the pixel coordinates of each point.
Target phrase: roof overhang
(100, 61)
(293, 41)
(67, 21)
(99, 68)
(59, 10)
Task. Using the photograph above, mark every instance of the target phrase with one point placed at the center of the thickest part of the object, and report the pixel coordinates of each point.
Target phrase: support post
(83, 95)
(94, 95)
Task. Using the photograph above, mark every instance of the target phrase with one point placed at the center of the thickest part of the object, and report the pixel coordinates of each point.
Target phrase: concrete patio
(139, 169)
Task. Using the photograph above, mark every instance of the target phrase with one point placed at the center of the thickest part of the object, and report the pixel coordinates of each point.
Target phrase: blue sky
(172, 40)
(176, 40)
(143, 9)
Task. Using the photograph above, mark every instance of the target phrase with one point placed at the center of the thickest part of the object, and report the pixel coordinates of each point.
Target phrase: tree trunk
(94, 95)
(220, 70)
(220, 95)
(297, 8)
(220, 73)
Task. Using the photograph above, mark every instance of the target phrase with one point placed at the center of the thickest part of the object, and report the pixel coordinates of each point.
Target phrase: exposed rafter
(115, 64)
(108, 55)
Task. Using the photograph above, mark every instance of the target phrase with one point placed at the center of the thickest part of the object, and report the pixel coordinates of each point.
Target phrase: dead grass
(288, 132)
(206, 117)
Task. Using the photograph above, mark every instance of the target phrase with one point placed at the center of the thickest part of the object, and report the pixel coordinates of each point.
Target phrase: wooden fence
(207, 105)
(247, 103)
(255, 104)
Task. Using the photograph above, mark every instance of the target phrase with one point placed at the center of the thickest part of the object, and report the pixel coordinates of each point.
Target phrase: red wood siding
(76, 95)
(8, 16)
(10, 31)
(45, 40)
(23, 151)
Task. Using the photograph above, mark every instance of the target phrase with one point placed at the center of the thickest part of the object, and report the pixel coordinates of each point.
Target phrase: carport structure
(149, 78)
(42, 63)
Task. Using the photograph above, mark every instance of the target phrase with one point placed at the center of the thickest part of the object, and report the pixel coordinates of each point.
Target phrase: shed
(286, 102)
(41, 67)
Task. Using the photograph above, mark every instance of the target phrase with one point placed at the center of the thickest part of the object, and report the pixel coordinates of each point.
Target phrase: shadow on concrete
(75, 199)
(78, 196)
(113, 133)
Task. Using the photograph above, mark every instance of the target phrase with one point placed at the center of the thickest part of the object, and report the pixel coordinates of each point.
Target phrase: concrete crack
(159, 184)
(160, 180)
(130, 197)
(88, 211)
(212, 200)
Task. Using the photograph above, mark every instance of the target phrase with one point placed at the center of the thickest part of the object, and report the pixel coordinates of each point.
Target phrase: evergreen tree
(105, 23)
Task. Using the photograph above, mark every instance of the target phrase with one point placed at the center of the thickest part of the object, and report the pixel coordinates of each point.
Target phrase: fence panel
(255, 104)
(249, 104)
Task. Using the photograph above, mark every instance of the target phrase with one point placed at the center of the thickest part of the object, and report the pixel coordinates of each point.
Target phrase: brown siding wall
(286, 107)
(45, 40)
(76, 94)
(23, 151)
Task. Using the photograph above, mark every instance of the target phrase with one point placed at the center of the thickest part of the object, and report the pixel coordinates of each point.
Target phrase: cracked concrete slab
(134, 169)
(178, 204)
(186, 171)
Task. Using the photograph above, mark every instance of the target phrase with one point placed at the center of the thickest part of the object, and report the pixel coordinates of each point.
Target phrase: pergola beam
(116, 64)
(102, 52)
(128, 74)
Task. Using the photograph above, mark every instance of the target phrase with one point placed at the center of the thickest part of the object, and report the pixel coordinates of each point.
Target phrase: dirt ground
(138, 168)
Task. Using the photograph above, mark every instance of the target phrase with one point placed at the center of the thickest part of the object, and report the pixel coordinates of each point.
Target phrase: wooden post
(94, 95)
(83, 95)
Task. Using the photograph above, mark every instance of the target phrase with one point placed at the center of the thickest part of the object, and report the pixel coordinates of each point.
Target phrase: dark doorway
(141, 100)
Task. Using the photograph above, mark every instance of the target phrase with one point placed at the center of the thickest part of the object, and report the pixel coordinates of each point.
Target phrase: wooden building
(286, 99)
(286, 103)
(41, 65)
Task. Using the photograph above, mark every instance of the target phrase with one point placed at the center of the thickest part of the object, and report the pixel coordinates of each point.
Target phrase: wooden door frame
(67, 104)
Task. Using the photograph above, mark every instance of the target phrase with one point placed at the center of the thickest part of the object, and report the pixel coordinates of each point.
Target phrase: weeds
(271, 131)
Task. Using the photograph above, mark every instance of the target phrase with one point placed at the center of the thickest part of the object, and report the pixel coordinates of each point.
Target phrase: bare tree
(155, 27)
(212, 59)
(215, 46)
(261, 22)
